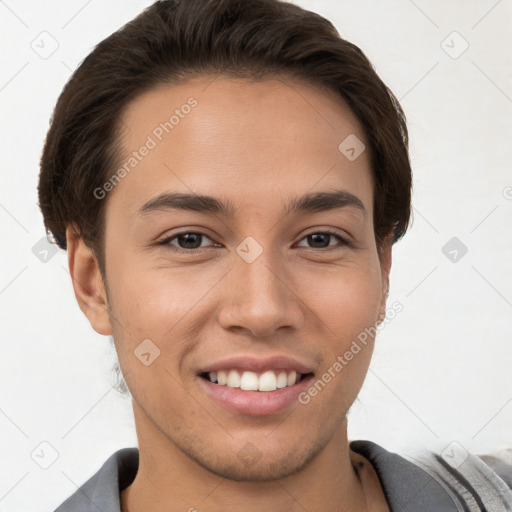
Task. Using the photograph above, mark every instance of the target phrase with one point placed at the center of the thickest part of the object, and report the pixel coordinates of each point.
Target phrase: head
(256, 104)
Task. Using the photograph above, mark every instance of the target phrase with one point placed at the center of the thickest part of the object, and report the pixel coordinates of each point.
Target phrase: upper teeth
(251, 381)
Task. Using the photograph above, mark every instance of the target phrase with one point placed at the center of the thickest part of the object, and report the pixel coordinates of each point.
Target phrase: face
(189, 288)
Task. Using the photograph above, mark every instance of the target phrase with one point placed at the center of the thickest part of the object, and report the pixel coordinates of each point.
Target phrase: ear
(385, 256)
(87, 282)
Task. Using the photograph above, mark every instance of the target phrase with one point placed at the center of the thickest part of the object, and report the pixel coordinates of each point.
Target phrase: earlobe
(385, 256)
(88, 283)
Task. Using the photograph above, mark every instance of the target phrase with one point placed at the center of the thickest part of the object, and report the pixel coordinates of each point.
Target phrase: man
(228, 179)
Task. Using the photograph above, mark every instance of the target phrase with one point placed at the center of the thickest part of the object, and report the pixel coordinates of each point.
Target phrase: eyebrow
(310, 202)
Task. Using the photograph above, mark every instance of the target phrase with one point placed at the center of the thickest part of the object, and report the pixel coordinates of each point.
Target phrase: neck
(169, 480)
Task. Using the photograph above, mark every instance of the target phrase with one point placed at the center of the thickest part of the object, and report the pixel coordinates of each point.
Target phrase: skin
(258, 145)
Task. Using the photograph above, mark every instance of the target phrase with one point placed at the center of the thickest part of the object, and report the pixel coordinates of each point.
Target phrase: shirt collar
(407, 487)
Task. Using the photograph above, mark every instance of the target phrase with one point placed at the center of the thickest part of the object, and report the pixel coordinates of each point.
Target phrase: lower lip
(255, 403)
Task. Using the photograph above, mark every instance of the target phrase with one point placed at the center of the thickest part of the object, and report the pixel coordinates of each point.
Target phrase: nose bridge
(259, 299)
(260, 278)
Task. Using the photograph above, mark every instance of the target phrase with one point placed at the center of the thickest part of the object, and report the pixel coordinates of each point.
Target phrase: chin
(249, 464)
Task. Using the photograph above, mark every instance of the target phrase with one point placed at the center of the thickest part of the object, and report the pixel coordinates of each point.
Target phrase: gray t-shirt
(425, 483)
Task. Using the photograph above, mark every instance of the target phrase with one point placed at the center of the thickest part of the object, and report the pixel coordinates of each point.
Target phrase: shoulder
(102, 490)
(501, 463)
(450, 481)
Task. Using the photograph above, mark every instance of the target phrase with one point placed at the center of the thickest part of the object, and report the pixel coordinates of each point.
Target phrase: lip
(255, 403)
(254, 364)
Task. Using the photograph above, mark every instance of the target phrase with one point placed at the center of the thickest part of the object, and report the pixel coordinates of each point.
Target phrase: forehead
(258, 139)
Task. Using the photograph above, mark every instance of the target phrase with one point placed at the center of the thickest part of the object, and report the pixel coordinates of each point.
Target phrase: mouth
(252, 393)
(263, 381)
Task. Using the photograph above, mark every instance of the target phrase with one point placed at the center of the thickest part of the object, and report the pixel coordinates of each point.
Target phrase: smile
(269, 380)
(254, 395)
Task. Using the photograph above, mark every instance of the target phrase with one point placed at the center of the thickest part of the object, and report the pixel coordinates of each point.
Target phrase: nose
(259, 298)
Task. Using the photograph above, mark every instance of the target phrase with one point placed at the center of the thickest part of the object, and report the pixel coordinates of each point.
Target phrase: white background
(441, 369)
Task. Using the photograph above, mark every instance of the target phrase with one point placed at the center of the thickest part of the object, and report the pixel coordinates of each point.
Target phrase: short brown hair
(173, 40)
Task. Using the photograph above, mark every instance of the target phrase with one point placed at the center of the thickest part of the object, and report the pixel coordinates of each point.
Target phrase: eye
(322, 239)
(187, 240)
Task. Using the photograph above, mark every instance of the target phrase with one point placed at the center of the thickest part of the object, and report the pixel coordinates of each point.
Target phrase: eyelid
(345, 237)
(167, 239)
(346, 240)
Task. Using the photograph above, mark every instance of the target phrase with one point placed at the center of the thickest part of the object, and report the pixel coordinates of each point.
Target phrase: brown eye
(187, 240)
(322, 240)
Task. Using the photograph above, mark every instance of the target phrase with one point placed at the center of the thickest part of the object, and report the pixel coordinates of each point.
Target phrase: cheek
(159, 307)
(346, 307)
(346, 301)
(158, 303)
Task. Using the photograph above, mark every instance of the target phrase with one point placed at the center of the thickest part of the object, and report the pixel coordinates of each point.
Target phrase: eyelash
(166, 242)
